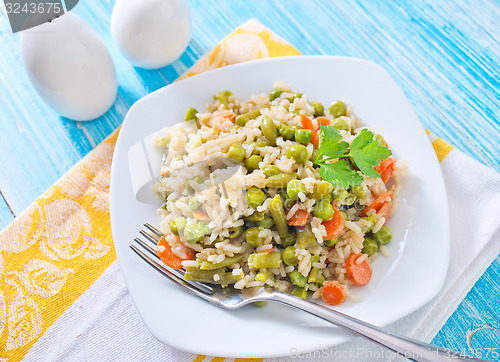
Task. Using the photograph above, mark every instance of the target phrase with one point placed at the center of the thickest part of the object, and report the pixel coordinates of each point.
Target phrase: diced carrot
(386, 168)
(378, 203)
(307, 124)
(358, 274)
(385, 211)
(299, 218)
(333, 293)
(168, 257)
(323, 121)
(231, 117)
(201, 215)
(334, 226)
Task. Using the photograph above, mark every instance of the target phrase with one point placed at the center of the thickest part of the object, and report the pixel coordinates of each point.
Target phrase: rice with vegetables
(276, 191)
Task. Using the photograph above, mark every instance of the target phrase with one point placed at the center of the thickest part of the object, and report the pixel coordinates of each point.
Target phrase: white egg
(151, 33)
(70, 67)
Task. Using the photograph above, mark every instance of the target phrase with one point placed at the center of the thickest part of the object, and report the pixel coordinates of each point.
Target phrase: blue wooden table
(444, 54)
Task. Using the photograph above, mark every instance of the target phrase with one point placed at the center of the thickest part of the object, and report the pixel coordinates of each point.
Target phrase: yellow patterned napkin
(57, 248)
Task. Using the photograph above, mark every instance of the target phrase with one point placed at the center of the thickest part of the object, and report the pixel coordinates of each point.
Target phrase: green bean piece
(288, 203)
(303, 136)
(252, 237)
(278, 215)
(193, 233)
(252, 163)
(269, 130)
(280, 180)
(260, 303)
(380, 140)
(299, 292)
(305, 237)
(275, 93)
(315, 258)
(242, 119)
(341, 124)
(255, 197)
(177, 225)
(235, 231)
(295, 95)
(194, 204)
(383, 236)
(323, 209)
(204, 227)
(228, 260)
(337, 109)
(256, 216)
(359, 191)
(289, 257)
(264, 260)
(266, 223)
(190, 114)
(297, 279)
(297, 152)
(287, 132)
(315, 276)
(372, 219)
(370, 247)
(207, 276)
(271, 170)
(322, 189)
(314, 154)
(290, 239)
(330, 242)
(196, 179)
(319, 110)
(340, 194)
(344, 215)
(293, 188)
(223, 97)
(236, 152)
(264, 275)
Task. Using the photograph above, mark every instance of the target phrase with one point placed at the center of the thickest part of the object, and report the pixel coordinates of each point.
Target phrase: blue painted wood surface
(444, 54)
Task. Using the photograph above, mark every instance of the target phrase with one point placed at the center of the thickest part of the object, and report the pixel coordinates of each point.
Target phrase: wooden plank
(6, 214)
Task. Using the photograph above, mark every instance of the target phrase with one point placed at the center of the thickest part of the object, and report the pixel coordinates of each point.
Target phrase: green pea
(293, 188)
(337, 109)
(295, 95)
(383, 236)
(223, 97)
(323, 209)
(297, 279)
(289, 257)
(341, 124)
(252, 236)
(204, 227)
(359, 191)
(349, 200)
(252, 162)
(287, 132)
(372, 219)
(190, 114)
(288, 203)
(255, 197)
(269, 130)
(194, 204)
(330, 242)
(343, 214)
(322, 189)
(236, 152)
(271, 170)
(280, 180)
(290, 239)
(305, 237)
(193, 233)
(297, 152)
(299, 292)
(266, 223)
(256, 216)
(235, 231)
(242, 119)
(319, 110)
(315, 258)
(370, 247)
(314, 155)
(264, 275)
(196, 179)
(340, 194)
(275, 93)
(177, 225)
(380, 140)
(303, 136)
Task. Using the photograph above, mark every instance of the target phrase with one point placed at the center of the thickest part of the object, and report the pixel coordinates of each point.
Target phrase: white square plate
(402, 282)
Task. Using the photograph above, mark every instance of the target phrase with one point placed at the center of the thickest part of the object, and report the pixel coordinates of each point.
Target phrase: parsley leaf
(339, 173)
(366, 153)
(329, 144)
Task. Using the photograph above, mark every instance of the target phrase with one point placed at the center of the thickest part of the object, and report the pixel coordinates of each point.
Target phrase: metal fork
(407, 347)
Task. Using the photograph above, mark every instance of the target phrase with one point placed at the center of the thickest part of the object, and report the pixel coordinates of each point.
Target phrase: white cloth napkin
(103, 324)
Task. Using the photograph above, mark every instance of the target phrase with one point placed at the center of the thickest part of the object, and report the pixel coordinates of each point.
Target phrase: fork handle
(407, 347)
